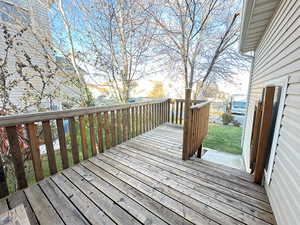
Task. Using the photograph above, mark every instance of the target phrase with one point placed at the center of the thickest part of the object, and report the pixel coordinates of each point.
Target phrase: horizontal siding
(278, 56)
(40, 23)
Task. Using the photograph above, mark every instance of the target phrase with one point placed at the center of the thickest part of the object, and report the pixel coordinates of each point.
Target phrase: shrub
(227, 118)
(236, 123)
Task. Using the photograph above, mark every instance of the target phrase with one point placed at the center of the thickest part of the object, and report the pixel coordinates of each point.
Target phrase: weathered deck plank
(64, 207)
(144, 181)
(3, 206)
(128, 196)
(227, 180)
(175, 182)
(191, 175)
(41, 207)
(113, 210)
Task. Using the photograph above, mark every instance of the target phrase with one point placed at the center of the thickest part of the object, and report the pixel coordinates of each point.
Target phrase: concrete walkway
(224, 158)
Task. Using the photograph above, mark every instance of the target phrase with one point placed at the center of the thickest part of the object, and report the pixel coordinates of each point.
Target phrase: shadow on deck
(144, 181)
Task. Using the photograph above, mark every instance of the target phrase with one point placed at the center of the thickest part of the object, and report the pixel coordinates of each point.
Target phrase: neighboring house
(17, 14)
(271, 34)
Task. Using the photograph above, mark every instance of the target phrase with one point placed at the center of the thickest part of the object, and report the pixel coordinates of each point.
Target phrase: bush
(236, 123)
(227, 118)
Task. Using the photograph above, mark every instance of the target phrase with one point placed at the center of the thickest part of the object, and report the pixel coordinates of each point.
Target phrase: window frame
(281, 82)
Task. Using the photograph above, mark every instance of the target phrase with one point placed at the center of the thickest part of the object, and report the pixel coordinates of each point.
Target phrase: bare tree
(200, 36)
(222, 59)
(118, 35)
(68, 50)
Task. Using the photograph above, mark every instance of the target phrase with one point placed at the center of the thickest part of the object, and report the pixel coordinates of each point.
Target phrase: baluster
(150, 117)
(124, 125)
(113, 128)
(199, 124)
(172, 111)
(128, 123)
(119, 126)
(157, 114)
(49, 146)
(141, 119)
(136, 121)
(100, 133)
(84, 146)
(166, 110)
(144, 118)
(62, 143)
(92, 134)
(180, 114)
(35, 152)
(15, 150)
(133, 132)
(193, 133)
(73, 135)
(154, 115)
(162, 112)
(147, 117)
(107, 131)
(176, 116)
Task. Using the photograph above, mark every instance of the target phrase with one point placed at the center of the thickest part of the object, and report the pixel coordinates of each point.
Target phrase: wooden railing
(177, 110)
(105, 126)
(197, 129)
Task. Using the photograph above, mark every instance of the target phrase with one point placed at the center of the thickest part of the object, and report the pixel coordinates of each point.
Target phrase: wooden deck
(144, 181)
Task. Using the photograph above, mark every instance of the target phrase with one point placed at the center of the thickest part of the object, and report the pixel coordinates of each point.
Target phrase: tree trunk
(187, 124)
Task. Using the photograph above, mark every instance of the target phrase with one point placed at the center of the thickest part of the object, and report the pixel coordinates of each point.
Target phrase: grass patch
(224, 138)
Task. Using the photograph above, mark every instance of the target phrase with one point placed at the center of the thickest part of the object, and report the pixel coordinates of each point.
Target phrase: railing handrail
(13, 120)
(106, 126)
(183, 100)
(200, 105)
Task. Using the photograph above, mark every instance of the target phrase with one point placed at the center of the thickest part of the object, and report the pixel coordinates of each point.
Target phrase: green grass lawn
(224, 138)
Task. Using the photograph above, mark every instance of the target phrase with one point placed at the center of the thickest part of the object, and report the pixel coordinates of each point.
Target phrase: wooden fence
(105, 126)
(197, 130)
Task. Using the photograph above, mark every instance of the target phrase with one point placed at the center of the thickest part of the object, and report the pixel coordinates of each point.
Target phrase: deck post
(187, 124)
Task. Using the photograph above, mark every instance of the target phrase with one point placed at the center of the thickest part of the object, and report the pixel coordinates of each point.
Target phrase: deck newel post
(187, 124)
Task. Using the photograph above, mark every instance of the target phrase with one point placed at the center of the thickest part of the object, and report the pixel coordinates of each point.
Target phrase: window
(239, 105)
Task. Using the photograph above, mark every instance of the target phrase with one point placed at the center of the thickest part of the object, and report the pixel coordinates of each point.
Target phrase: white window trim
(283, 82)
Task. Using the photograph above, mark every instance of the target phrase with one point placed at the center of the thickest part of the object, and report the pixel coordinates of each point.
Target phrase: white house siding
(38, 14)
(278, 56)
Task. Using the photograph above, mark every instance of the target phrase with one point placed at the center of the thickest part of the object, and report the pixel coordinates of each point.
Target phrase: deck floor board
(144, 181)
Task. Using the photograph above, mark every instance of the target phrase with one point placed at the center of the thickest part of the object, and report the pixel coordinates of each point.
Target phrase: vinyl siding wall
(38, 12)
(278, 56)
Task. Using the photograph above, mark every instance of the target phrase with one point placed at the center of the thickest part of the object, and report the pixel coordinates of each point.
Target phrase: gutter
(246, 15)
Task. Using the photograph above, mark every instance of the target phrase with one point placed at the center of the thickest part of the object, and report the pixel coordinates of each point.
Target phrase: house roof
(256, 16)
